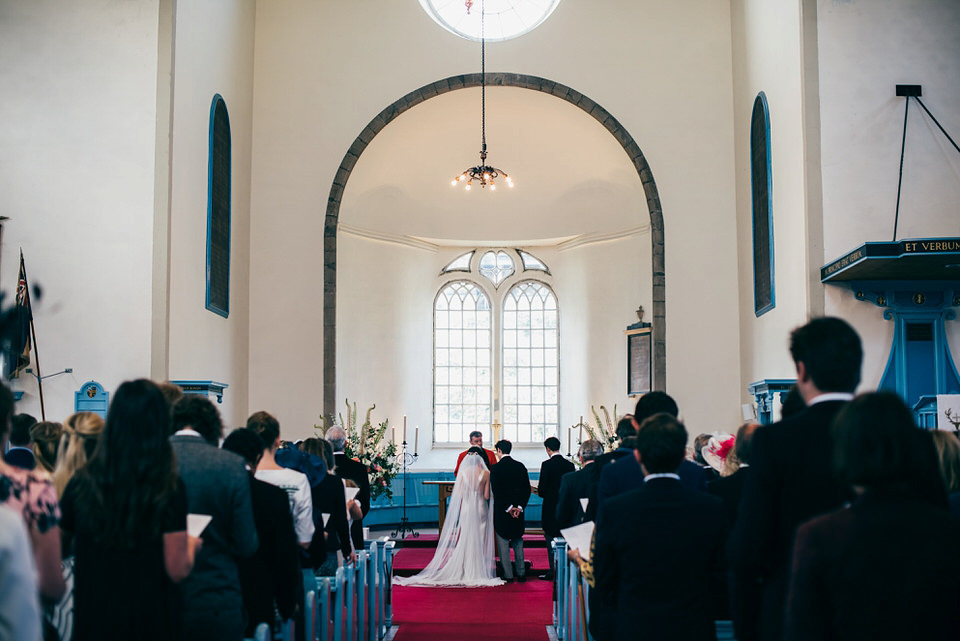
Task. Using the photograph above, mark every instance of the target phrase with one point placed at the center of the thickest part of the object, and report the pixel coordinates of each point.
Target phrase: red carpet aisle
(511, 612)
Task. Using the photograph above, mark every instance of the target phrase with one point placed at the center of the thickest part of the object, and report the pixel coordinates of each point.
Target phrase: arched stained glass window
(531, 363)
(463, 382)
(496, 266)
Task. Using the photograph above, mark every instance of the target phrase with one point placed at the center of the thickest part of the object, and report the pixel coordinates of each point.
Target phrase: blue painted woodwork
(209, 389)
(17, 395)
(764, 391)
(925, 411)
(91, 398)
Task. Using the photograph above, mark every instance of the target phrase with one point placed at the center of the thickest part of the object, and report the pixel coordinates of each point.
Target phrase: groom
(511, 491)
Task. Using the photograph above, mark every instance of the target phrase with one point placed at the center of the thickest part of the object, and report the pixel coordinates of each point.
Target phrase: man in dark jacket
(552, 472)
(510, 485)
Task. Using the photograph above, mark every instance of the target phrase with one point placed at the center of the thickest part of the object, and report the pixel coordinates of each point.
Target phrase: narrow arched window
(218, 210)
(462, 353)
(761, 181)
(531, 363)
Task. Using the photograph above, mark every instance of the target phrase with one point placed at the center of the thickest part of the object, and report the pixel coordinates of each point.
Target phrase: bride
(464, 554)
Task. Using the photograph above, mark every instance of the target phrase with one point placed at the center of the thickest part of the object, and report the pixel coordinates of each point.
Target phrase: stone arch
(465, 81)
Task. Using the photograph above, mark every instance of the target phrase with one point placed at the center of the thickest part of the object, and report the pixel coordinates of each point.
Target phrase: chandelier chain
(483, 81)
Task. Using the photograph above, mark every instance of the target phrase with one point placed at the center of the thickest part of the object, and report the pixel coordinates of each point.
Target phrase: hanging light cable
(482, 173)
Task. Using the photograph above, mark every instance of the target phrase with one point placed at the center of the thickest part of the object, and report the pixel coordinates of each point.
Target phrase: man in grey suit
(218, 484)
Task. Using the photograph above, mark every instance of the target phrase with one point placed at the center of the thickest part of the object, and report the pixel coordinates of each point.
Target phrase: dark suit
(355, 471)
(625, 474)
(573, 487)
(731, 595)
(791, 481)
(552, 472)
(596, 471)
(217, 484)
(510, 485)
(656, 550)
(272, 574)
(886, 568)
(328, 498)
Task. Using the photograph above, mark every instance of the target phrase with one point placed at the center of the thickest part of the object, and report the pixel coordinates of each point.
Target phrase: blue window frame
(218, 210)
(761, 183)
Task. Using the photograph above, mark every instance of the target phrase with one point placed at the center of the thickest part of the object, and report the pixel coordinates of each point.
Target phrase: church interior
(635, 133)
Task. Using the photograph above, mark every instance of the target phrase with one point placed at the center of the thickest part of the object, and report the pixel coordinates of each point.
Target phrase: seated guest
(476, 440)
(217, 485)
(294, 483)
(698, 444)
(44, 441)
(887, 566)
(948, 455)
(657, 548)
(351, 471)
(20, 454)
(33, 497)
(81, 433)
(270, 577)
(126, 514)
(328, 498)
(625, 475)
(578, 485)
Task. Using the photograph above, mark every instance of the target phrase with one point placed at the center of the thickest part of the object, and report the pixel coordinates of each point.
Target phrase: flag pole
(33, 335)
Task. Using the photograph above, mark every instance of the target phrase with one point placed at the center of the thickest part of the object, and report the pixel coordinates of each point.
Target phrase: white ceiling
(572, 177)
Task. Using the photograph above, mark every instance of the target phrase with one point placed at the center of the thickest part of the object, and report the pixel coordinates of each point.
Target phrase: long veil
(464, 555)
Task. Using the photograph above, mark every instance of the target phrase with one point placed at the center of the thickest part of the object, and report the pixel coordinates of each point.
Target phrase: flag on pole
(20, 347)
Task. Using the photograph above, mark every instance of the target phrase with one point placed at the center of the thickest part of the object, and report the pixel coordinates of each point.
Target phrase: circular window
(503, 19)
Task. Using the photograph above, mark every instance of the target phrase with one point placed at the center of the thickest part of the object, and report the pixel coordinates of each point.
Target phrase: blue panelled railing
(353, 605)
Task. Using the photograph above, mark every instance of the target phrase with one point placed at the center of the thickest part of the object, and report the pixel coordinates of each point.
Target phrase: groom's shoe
(510, 580)
(521, 579)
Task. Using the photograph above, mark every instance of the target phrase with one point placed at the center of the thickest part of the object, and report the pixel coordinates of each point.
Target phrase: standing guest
(270, 577)
(172, 393)
(294, 483)
(887, 566)
(625, 474)
(350, 470)
(33, 497)
(791, 479)
(510, 485)
(552, 472)
(476, 440)
(579, 485)
(81, 433)
(44, 441)
(20, 454)
(328, 498)
(19, 607)
(658, 547)
(217, 485)
(126, 515)
(948, 456)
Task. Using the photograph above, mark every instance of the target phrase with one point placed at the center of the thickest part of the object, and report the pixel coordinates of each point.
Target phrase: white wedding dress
(464, 556)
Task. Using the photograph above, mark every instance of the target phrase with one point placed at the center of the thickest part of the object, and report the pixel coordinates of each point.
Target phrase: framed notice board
(639, 362)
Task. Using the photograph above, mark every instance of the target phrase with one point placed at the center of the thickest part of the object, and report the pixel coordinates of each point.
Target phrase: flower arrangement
(605, 430)
(367, 445)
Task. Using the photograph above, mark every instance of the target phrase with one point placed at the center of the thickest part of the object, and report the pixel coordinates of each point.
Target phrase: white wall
(767, 49)
(78, 110)
(664, 72)
(213, 55)
(866, 49)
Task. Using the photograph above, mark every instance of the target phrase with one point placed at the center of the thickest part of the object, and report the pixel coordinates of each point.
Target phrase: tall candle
(568, 441)
(416, 438)
(393, 434)
(404, 428)
(581, 431)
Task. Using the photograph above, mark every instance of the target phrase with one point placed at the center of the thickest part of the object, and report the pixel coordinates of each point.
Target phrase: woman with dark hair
(126, 514)
(45, 440)
(328, 498)
(887, 566)
(479, 451)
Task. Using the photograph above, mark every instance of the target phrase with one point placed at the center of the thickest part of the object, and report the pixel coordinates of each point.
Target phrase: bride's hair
(479, 452)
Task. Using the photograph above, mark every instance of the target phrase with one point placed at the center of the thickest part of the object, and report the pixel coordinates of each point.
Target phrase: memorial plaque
(638, 363)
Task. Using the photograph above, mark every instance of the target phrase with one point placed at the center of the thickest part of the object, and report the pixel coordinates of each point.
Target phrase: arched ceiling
(572, 177)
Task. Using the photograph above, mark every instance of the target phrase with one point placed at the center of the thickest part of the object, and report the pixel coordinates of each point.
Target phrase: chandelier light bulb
(453, 183)
(492, 187)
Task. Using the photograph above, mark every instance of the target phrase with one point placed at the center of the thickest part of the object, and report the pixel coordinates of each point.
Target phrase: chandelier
(482, 173)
